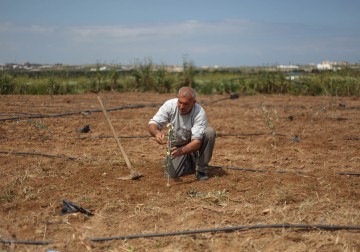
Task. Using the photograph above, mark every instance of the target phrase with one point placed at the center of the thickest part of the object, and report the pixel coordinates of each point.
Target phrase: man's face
(185, 104)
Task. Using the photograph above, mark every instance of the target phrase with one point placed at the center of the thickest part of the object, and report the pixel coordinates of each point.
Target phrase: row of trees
(145, 76)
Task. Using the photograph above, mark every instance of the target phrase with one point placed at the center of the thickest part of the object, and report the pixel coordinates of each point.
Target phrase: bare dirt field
(307, 173)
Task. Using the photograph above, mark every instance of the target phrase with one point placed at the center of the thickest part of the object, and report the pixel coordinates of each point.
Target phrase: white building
(288, 67)
(324, 66)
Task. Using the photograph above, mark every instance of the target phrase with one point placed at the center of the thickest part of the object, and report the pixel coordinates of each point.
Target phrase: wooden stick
(116, 137)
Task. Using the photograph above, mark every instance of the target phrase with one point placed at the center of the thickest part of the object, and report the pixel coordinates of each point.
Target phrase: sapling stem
(171, 141)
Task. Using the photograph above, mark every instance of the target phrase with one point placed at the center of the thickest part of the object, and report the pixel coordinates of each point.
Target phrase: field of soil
(279, 161)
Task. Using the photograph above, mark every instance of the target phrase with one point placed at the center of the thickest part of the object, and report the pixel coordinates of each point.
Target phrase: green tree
(144, 75)
(7, 84)
(188, 72)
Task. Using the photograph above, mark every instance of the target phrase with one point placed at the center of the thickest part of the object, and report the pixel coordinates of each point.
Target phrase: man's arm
(155, 132)
(194, 145)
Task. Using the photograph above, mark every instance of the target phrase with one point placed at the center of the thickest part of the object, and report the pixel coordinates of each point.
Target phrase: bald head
(186, 100)
(187, 92)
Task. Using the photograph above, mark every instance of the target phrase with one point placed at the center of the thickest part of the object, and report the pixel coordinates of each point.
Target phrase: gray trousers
(196, 161)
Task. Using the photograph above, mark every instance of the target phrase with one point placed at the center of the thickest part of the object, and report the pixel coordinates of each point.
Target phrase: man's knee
(210, 133)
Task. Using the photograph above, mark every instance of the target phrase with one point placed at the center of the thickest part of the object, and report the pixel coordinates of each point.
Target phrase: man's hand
(160, 138)
(155, 132)
(176, 152)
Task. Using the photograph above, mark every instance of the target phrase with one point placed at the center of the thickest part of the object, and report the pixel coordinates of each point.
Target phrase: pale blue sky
(208, 32)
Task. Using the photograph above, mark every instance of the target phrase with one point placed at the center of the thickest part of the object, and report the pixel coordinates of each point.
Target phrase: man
(193, 139)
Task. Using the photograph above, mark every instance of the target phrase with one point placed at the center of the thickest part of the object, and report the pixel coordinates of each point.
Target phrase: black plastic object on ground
(85, 129)
(295, 139)
(234, 96)
(70, 207)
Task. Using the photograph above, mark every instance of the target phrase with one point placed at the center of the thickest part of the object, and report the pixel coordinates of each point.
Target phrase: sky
(204, 32)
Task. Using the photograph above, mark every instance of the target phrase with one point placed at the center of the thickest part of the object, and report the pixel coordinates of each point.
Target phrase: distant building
(288, 67)
(324, 66)
(329, 65)
(174, 69)
(103, 68)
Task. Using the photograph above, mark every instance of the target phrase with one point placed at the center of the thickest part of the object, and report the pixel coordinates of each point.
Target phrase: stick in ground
(133, 173)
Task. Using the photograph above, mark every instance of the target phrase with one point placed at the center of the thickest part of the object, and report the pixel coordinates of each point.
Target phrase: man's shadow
(216, 172)
(212, 172)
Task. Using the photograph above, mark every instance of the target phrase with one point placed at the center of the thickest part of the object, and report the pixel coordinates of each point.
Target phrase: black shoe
(201, 176)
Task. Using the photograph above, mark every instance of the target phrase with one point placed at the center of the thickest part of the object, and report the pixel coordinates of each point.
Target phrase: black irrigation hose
(198, 231)
(228, 229)
(37, 154)
(245, 169)
(25, 242)
(77, 112)
(246, 134)
(252, 134)
(349, 173)
(210, 166)
(276, 171)
(352, 138)
(236, 168)
(147, 136)
(217, 134)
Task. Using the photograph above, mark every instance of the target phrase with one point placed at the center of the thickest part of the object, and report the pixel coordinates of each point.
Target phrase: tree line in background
(145, 76)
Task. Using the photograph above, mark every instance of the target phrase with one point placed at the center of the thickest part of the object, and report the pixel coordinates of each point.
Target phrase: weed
(29, 193)
(37, 124)
(217, 197)
(8, 196)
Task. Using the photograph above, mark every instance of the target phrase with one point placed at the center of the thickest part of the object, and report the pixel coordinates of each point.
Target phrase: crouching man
(194, 140)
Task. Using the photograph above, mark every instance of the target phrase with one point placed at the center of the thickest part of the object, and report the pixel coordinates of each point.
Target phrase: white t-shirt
(187, 127)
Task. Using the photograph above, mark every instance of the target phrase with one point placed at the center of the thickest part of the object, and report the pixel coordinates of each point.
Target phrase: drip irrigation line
(199, 231)
(236, 168)
(248, 134)
(349, 173)
(37, 154)
(23, 113)
(229, 229)
(338, 118)
(246, 169)
(276, 171)
(25, 242)
(147, 136)
(131, 106)
(38, 116)
(215, 101)
(106, 137)
(352, 138)
(218, 135)
(252, 134)
(232, 96)
(210, 166)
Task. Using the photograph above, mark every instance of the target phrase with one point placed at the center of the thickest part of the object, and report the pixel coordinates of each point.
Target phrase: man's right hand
(160, 138)
(155, 132)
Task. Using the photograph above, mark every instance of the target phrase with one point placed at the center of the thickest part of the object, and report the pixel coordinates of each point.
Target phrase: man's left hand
(176, 152)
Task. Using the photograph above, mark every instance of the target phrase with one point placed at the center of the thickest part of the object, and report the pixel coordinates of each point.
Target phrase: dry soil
(280, 160)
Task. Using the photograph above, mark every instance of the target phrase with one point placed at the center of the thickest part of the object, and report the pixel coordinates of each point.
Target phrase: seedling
(170, 144)
(269, 119)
